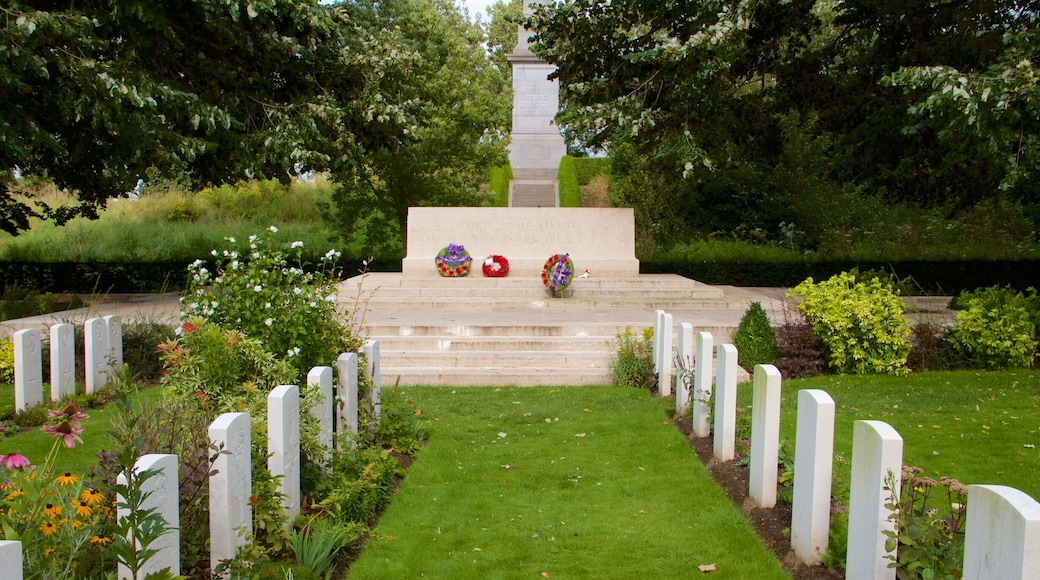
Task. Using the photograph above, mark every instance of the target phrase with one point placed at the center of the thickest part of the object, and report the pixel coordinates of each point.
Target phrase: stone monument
(536, 145)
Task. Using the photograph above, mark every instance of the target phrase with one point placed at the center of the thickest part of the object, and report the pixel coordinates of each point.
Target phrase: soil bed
(773, 525)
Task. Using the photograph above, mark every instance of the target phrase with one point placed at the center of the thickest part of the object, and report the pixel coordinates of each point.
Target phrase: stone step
(572, 304)
(520, 333)
(493, 376)
(492, 344)
(496, 359)
(380, 280)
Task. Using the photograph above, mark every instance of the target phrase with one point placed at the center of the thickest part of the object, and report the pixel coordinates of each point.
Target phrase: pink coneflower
(14, 461)
(69, 413)
(65, 431)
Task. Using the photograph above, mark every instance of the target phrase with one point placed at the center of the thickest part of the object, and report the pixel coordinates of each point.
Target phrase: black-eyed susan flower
(83, 509)
(67, 479)
(92, 496)
(100, 540)
(48, 528)
(52, 510)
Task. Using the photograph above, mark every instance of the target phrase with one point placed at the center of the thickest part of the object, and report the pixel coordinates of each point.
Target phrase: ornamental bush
(6, 361)
(256, 291)
(860, 323)
(997, 327)
(632, 359)
(755, 338)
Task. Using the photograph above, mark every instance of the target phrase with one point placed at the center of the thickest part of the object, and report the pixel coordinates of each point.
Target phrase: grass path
(567, 482)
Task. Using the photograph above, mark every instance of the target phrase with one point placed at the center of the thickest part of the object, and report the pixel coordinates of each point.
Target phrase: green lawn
(573, 482)
(976, 427)
(35, 444)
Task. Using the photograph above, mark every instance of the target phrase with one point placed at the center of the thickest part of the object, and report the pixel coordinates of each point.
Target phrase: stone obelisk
(536, 145)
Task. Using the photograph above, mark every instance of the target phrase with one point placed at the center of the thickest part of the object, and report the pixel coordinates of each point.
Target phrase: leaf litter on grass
(628, 499)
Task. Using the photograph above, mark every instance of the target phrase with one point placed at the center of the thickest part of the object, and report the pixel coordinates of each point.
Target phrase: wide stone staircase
(509, 331)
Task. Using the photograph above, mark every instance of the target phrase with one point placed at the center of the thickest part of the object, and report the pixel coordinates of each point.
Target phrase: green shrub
(567, 176)
(6, 361)
(755, 339)
(141, 339)
(499, 184)
(997, 327)
(860, 324)
(632, 359)
(928, 540)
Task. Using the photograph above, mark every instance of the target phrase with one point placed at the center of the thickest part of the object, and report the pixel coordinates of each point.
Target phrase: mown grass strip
(573, 482)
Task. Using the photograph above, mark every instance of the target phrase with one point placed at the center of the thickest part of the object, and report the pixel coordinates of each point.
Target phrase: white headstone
(684, 381)
(724, 445)
(765, 436)
(95, 348)
(347, 393)
(664, 372)
(656, 344)
(322, 376)
(114, 330)
(230, 517)
(283, 446)
(63, 361)
(162, 493)
(10, 560)
(28, 369)
(1002, 535)
(814, 448)
(877, 451)
(702, 376)
(372, 370)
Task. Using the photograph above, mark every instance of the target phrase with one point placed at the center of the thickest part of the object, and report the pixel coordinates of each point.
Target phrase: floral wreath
(557, 273)
(496, 266)
(453, 261)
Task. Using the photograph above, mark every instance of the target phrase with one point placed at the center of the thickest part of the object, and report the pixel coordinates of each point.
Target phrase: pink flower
(65, 431)
(69, 413)
(14, 461)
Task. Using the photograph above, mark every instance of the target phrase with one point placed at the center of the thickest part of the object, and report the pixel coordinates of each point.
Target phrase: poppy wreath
(453, 261)
(557, 273)
(496, 266)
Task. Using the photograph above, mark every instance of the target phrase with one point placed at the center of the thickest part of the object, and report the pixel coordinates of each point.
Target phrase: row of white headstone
(103, 350)
(1002, 534)
(230, 486)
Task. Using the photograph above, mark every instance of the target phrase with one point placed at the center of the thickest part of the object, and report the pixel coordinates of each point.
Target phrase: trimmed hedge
(130, 277)
(570, 195)
(499, 184)
(934, 277)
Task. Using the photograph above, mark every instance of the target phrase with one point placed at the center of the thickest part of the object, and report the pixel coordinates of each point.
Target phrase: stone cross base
(601, 240)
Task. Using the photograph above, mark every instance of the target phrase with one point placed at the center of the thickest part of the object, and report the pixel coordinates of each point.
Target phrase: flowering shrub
(255, 291)
(632, 359)
(861, 324)
(929, 537)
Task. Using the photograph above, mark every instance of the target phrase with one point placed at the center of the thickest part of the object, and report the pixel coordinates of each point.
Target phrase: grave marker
(1002, 535)
(114, 331)
(347, 395)
(283, 446)
(230, 487)
(656, 344)
(877, 451)
(371, 351)
(162, 493)
(95, 348)
(322, 376)
(28, 369)
(765, 436)
(664, 371)
(11, 557)
(726, 403)
(684, 380)
(702, 384)
(814, 447)
(63, 361)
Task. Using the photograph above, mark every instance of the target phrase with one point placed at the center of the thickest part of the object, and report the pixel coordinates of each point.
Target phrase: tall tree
(459, 130)
(94, 93)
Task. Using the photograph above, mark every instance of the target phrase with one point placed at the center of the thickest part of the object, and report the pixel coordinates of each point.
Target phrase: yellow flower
(52, 510)
(100, 540)
(92, 496)
(67, 479)
(83, 509)
(15, 493)
(76, 524)
(48, 528)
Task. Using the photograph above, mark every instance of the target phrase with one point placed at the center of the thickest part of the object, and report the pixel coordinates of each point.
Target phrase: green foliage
(631, 359)
(399, 427)
(20, 303)
(755, 339)
(257, 292)
(997, 327)
(589, 167)
(315, 546)
(860, 323)
(6, 361)
(358, 487)
(567, 176)
(929, 537)
(501, 175)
